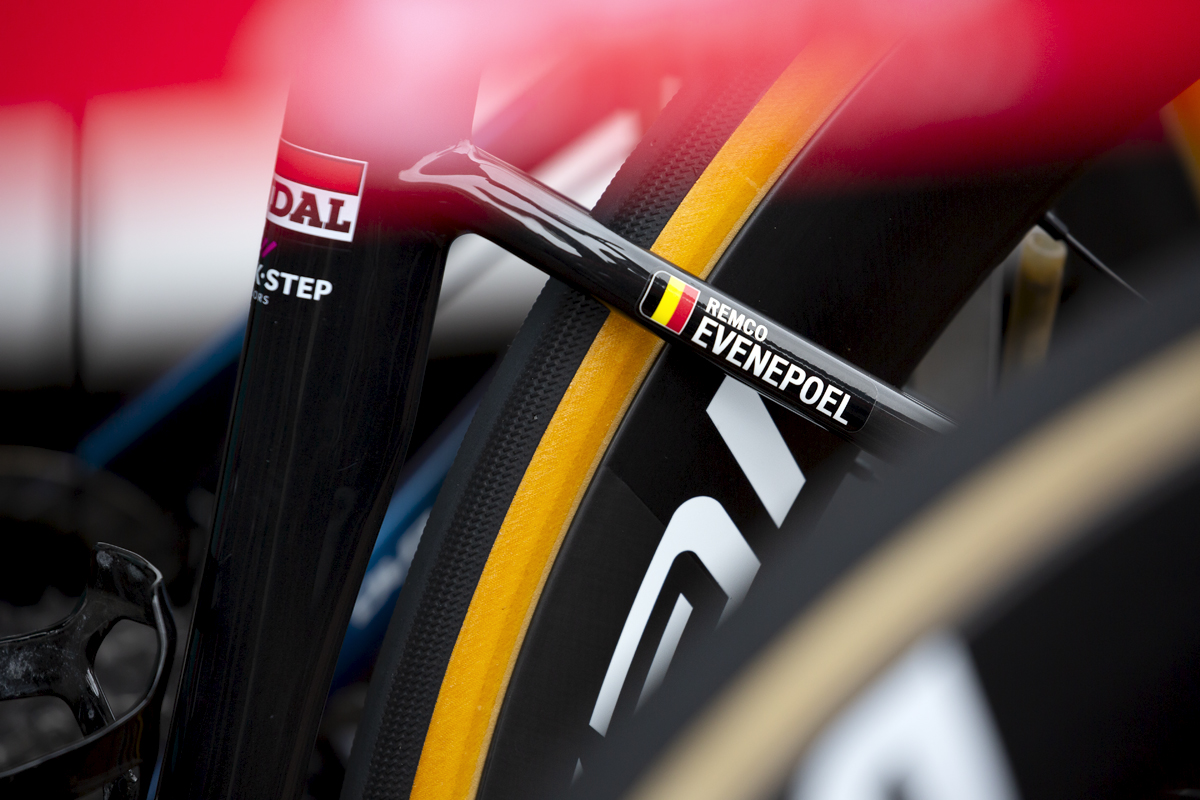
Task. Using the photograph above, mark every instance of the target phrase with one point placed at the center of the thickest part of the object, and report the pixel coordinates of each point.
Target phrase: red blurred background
(150, 127)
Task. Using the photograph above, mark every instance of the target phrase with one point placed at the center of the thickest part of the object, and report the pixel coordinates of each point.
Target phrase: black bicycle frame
(465, 189)
(327, 389)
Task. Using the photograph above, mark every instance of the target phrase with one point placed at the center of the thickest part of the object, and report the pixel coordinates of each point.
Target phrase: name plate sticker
(725, 331)
(316, 193)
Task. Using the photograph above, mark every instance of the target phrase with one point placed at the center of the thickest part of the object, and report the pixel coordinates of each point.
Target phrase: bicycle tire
(453, 711)
(1063, 536)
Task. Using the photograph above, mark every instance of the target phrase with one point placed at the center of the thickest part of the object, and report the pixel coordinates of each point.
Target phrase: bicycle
(202, 745)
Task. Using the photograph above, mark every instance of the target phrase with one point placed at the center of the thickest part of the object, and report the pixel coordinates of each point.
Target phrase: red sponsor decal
(319, 170)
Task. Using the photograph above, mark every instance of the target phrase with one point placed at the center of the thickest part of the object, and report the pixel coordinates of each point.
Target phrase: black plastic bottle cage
(321, 417)
(114, 754)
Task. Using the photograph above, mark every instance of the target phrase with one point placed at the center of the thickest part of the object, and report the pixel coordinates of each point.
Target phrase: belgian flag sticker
(669, 301)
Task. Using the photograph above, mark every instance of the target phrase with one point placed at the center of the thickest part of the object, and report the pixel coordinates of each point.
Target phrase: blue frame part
(137, 417)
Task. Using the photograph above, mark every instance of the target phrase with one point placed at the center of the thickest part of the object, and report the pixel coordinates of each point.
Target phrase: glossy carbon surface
(557, 235)
(326, 396)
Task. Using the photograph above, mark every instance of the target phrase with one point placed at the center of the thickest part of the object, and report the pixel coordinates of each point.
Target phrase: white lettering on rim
(700, 526)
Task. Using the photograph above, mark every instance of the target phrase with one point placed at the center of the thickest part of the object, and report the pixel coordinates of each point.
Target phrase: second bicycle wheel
(615, 498)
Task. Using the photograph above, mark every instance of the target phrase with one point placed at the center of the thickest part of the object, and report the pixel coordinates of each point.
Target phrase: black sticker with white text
(731, 334)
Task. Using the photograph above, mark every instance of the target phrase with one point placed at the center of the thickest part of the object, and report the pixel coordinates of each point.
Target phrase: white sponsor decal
(306, 288)
(312, 210)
